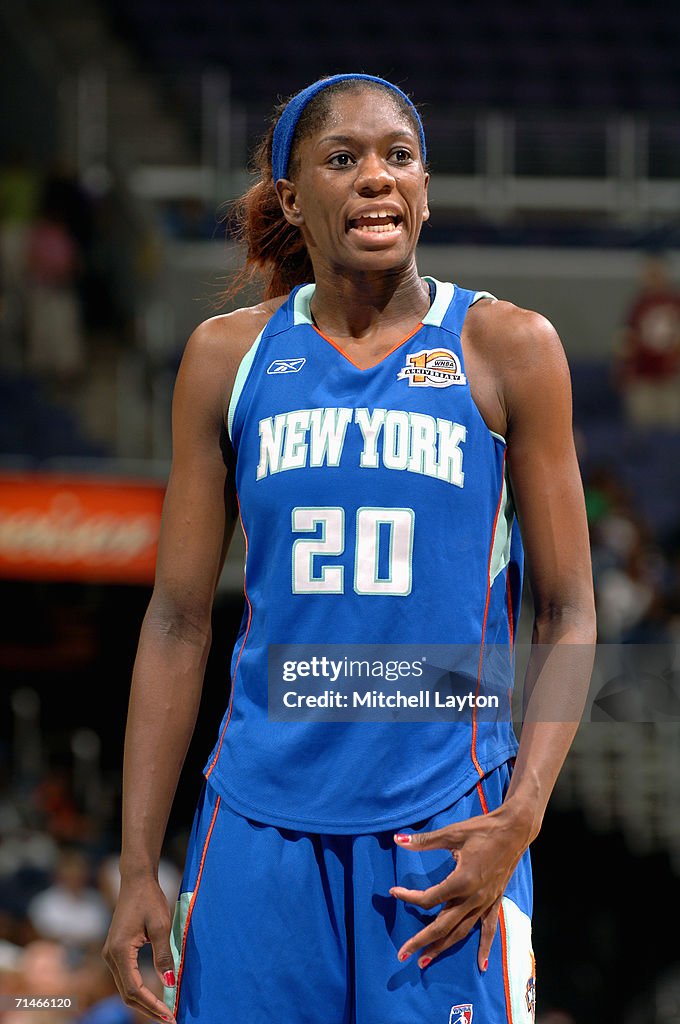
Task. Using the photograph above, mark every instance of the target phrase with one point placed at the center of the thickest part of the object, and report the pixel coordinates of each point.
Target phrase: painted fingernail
(404, 956)
(169, 979)
(401, 838)
(425, 961)
(485, 964)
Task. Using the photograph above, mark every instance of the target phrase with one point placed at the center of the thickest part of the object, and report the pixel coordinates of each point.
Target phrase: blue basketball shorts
(275, 926)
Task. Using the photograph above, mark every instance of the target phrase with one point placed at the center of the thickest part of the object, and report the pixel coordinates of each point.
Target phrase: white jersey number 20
(312, 576)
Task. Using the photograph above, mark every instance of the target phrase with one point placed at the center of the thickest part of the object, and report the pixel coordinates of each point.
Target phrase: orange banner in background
(94, 529)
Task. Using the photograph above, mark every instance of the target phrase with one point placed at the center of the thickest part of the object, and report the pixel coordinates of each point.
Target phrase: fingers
(438, 839)
(446, 838)
(428, 899)
(148, 1006)
(446, 929)
(162, 956)
(489, 925)
(450, 889)
(122, 962)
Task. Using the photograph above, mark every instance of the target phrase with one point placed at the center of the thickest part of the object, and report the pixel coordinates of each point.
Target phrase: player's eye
(340, 160)
(401, 155)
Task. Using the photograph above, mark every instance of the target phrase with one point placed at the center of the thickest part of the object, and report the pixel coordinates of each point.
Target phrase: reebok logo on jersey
(286, 365)
(461, 1014)
(432, 368)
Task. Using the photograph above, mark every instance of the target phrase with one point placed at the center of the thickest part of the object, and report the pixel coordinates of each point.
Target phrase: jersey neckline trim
(443, 297)
(364, 369)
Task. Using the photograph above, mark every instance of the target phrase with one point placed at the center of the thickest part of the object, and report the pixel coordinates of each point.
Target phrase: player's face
(360, 189)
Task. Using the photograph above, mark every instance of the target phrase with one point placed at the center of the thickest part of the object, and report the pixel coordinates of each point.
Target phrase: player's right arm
(199, 513)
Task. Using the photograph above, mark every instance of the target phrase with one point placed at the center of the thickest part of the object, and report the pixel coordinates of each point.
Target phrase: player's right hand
(142, 915)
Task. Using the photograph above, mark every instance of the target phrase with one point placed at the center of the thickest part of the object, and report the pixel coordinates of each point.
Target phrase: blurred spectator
(54, 342)
(605, 495)
(190, 219)
(624, 596)
(648, 366)
(65, 197)
(55, 805)
(10, 952)
(615, 529)
(42, 969)
(19, 195)
(110, 1008)
(108, 286)
(70, 910)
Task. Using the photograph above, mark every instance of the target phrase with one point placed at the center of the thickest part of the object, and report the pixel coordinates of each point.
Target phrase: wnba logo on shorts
(436, 368)
(461, 1014)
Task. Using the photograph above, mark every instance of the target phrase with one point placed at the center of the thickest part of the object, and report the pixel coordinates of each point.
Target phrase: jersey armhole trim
(483, 295)
(240, 382)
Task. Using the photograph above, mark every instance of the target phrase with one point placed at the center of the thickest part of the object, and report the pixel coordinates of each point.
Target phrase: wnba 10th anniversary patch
(432, 368)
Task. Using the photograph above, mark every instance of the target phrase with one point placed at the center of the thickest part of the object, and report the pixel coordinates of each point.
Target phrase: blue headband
(288, 122)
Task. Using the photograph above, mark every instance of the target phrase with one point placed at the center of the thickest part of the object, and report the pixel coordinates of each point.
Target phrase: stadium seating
(498, 55)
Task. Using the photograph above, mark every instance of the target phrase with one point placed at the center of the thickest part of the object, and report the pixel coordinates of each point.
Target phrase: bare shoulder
(220, 342)
(515, 340)
(214, 352)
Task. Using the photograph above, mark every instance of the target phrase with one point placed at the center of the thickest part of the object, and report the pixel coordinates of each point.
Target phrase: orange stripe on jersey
(245, 637)
(473, 744)
(350, 360)
(190, 911)
(482, 798)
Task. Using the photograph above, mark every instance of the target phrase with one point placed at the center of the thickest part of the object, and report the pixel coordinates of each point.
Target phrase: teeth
(377, 228)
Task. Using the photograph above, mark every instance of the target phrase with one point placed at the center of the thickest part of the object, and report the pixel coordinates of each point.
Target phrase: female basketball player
(376, 432)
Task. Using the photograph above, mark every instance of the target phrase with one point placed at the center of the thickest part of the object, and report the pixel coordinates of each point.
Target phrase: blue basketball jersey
(376, 509)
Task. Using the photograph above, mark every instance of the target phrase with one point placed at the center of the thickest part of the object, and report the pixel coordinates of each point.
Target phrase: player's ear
(287, 193)
(426, 208)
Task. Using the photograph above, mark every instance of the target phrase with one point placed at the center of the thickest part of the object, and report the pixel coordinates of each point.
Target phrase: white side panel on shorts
(520, 963)
(176, 937)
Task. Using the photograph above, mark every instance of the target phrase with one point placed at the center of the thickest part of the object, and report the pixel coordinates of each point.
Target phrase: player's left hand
(486, 850)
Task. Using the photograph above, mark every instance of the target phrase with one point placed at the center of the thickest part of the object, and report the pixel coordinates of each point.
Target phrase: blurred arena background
(554, 142)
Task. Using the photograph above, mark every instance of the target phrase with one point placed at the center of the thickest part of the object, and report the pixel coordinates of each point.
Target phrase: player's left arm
(534, 387)
(548, 494)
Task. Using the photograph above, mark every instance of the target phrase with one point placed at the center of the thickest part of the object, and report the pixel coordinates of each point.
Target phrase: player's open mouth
(376, 223)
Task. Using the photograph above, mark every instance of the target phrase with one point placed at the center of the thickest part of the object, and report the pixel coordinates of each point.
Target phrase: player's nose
(374, 175)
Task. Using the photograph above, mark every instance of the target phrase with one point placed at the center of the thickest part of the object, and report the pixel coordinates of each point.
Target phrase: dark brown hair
(275, 250)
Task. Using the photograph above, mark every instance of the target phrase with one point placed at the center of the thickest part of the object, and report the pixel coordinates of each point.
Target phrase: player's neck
(357, 306)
